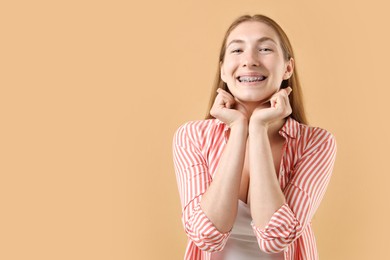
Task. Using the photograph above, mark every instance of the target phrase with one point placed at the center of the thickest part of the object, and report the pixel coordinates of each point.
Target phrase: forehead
(252, 30)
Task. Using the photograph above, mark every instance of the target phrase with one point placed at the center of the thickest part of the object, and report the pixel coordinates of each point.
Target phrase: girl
(252, 175)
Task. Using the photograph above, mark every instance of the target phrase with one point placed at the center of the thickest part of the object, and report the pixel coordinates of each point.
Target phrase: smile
(251, 79)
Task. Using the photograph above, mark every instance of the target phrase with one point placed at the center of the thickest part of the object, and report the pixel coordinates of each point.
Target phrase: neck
(274, 127)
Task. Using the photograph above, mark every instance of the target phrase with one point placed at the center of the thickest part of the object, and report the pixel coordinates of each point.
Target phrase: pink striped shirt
(305, 170)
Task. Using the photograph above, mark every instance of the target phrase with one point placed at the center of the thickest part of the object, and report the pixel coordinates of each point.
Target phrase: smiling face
(254, 66)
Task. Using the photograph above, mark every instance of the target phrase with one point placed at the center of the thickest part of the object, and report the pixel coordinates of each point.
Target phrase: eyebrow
(262, 39)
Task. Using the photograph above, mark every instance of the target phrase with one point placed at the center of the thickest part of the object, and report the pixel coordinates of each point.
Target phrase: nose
(251, 59)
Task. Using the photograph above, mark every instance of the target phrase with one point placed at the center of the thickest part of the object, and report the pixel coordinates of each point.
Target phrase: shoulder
(315, 133)
(197, 127)
(312, 137)
(196, 130)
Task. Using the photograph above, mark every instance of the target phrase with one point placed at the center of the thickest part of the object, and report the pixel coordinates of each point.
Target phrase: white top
(242, 243)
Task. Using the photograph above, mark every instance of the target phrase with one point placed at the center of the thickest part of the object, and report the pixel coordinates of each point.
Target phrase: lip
(251, 74)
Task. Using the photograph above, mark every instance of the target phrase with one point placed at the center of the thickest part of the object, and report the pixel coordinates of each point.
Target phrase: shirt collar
(219, 122)
(290, 127)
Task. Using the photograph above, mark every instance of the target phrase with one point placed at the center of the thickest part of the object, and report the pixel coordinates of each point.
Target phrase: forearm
(220, 201)
(266, 197)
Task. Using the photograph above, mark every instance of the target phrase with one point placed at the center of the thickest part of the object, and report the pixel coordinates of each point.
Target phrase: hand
(227, 109)
(279, 108)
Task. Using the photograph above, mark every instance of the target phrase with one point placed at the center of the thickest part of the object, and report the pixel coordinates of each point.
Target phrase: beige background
(92, 92)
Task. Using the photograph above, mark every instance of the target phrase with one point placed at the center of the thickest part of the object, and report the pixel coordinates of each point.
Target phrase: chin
(253, 93)
(252, 97)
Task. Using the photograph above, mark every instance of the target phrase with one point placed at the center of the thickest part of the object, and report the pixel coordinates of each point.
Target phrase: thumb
(288, 90)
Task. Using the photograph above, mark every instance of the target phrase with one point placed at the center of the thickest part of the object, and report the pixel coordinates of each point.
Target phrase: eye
(236, 51)
(266, 50)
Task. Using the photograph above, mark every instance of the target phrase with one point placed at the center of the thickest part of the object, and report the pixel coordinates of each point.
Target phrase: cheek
(228, 69)
(279, 70)
(225, 73)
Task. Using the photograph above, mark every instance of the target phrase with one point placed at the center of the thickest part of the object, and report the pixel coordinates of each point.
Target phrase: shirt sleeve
(303, 194)
(193, 179)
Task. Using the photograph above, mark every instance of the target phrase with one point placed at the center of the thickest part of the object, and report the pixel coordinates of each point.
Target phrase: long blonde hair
(296, 98)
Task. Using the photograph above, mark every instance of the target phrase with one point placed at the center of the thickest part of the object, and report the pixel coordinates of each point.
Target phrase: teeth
(250, 79)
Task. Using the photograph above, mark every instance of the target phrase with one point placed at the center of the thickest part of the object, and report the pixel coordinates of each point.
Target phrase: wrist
(241, 124)
(258, 127)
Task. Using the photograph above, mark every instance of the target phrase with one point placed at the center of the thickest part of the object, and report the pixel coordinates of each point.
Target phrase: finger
(224, 100)
(288, 90)
(284, 93)
(225, 93)
(275, 94)
(274, 101)
(283, 104)
(222, 91)
(280, 101)
(283, 99)
(228, 98)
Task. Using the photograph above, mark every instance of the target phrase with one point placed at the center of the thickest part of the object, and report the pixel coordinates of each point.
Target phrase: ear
(289, 69)
(222, 72)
